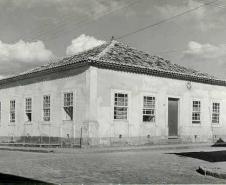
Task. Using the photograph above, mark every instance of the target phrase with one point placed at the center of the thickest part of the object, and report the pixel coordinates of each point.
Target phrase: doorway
(173, 108)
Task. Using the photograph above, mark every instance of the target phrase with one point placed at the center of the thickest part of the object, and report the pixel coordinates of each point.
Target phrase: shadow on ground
(12, 179)
(212, 156)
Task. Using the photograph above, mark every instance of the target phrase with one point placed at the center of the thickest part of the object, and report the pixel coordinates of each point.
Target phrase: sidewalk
(157, 164)
(105, 149)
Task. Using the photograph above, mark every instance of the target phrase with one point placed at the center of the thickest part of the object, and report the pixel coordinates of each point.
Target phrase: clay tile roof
(123, 54)
(119, 56)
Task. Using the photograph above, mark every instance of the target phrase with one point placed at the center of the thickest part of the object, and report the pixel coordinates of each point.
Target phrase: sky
(36, 32)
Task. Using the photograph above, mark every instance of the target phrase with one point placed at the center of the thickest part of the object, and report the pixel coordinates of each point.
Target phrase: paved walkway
(101, 149)
(146, 164)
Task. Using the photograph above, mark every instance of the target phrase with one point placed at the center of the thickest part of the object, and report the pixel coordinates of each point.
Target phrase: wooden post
(81, 139)
(24, 135)
(74, 135)
(41, 139)
(61, 144)
(49, 134)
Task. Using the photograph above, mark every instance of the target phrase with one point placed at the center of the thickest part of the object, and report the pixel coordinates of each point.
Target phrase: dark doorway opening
(173, 117)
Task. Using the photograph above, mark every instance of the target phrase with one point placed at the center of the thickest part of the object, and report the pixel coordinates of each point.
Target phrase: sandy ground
(138, 166)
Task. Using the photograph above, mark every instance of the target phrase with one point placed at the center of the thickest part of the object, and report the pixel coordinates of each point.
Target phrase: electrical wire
(166, 20)
(59, 29)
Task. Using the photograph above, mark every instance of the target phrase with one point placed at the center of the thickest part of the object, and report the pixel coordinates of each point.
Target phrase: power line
(184, 49)
(131, 4)
(219, 5)
(181, 50)
(125, 35)
(166, 20)
(54, 34)
(57, 31)
(171, 51)
(59, 25)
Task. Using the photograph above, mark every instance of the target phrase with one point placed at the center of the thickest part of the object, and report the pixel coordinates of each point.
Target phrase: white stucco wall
(138, 85)
(94, 90)
(75, 81)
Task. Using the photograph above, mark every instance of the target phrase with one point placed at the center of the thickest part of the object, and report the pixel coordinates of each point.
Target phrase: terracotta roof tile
(117, 53)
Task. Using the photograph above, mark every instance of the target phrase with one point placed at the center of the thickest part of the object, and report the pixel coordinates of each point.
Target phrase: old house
(112, 94)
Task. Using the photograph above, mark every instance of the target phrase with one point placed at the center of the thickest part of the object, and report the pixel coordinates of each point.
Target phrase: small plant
(220, 140)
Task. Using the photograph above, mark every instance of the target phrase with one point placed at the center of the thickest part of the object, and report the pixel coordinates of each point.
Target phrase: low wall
(107, 141)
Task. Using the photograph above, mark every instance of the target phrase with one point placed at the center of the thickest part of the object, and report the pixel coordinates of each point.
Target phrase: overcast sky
(34, 32)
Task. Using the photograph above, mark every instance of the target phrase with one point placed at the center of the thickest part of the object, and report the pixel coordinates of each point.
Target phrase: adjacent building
(112, 94)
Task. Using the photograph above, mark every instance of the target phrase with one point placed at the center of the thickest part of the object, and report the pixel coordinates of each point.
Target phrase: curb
(27, 150)
(106, 149)
(205, 171)
(128, 149)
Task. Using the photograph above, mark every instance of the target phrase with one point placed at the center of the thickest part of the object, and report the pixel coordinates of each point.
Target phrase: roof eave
(157, 72)
(45, 71)
(117, 67)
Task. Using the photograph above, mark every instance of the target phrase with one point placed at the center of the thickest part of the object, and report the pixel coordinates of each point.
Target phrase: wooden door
(173, 117)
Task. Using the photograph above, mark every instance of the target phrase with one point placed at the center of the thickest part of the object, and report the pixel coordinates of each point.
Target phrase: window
(68, 105)
(215, 113)
(149, 109)
(46, 108)
(28, 109)
(0, 111)
(196, 112)
(12, 111)
(120, 106)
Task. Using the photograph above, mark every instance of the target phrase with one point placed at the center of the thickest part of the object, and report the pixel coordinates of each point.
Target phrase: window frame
(196, 121)
(149, 108)
(12, 119)
(0, 112)
(45, 108)
(64, 107)
(218, 113)
(115, 106)
(112, 97)
(28, 109)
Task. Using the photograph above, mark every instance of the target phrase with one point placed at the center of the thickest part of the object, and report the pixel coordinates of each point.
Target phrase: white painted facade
(137, 85)
(93, 114)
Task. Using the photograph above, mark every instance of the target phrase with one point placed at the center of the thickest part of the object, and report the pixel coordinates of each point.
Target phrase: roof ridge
(105, 50)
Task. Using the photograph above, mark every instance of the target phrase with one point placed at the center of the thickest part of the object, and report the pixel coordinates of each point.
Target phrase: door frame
(179, 117)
